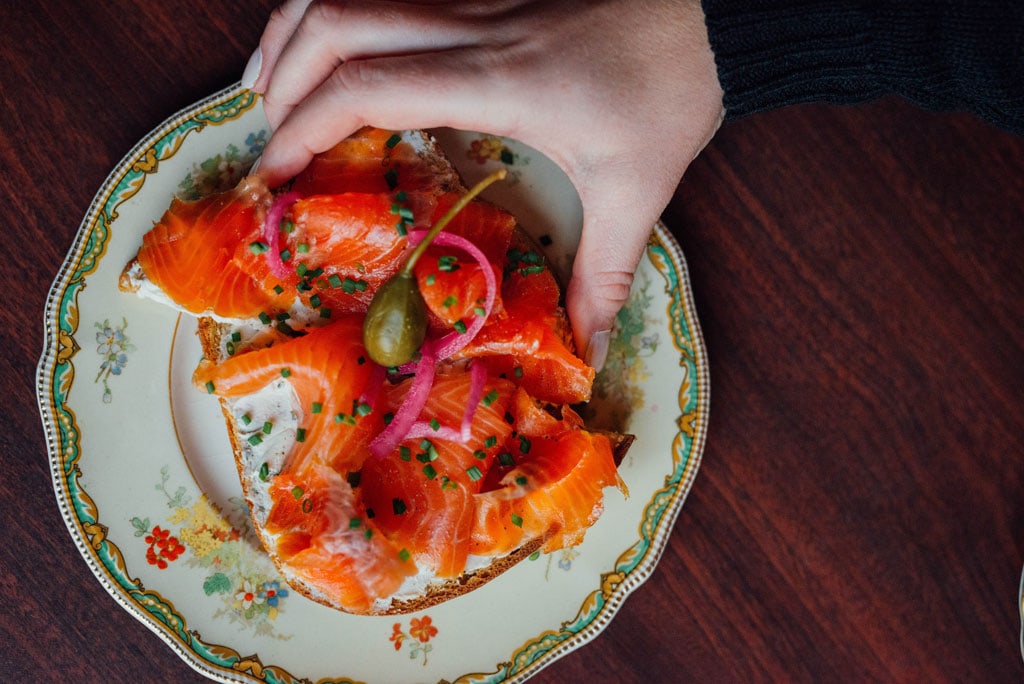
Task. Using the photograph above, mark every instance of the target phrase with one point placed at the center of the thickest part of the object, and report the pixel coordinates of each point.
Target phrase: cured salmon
(383, 476)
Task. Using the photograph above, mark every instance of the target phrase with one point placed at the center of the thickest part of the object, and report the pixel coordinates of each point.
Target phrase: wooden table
(859, 275)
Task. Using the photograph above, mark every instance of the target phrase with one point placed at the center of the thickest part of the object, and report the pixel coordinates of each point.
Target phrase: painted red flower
(422, 629)
(163, 548)
(397, 636)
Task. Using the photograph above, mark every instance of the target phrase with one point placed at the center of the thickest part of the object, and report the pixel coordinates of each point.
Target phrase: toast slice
(260, 461)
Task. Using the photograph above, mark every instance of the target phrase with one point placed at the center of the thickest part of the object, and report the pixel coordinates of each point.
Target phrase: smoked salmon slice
(328, 372)
(198, 253)
(371, 160)
(554, 490)
(326, 542)
(422, 493)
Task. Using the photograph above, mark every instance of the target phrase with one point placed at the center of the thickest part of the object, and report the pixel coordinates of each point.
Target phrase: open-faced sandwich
(385, 487)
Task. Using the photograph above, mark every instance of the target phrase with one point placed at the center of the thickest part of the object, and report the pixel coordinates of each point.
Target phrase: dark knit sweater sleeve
(943, 55)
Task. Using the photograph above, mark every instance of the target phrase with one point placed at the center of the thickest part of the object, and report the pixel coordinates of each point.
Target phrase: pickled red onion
(406, 415)
(454, 341)
(420, 429)
(272, 232)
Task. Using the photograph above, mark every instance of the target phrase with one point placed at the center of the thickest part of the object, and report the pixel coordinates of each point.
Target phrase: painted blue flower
(273, 593)
(256, 142)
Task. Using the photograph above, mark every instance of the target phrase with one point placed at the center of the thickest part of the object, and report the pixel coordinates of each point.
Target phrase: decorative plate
(145, 480)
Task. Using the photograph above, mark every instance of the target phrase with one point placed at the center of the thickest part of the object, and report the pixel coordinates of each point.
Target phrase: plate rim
(60, 322)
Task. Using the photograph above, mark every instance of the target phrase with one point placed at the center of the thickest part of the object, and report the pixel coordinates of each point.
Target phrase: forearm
(940, 55)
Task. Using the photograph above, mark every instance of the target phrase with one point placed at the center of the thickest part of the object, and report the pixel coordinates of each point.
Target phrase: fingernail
(597, 349)
(252, 69)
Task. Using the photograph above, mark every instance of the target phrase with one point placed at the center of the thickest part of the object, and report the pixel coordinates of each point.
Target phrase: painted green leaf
(217, 583)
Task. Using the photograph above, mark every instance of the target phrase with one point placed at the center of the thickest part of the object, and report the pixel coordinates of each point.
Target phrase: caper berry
(396, 322)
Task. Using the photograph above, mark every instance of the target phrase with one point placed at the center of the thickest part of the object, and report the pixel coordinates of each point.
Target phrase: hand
(621, 94)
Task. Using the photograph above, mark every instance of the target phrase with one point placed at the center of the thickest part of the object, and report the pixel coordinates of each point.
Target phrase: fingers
(328, 34)
(280, 27)
(616, 226)
(416, 91)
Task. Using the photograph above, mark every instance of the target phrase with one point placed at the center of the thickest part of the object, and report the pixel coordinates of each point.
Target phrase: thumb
(614, 237)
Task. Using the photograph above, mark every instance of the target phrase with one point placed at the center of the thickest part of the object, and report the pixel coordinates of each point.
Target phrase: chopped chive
(520, 480)
(268, 427)
(430, 279)
(301, 270)
(400, 196)
(524, 444)
(317, 407)
(286, 254)
(505, 458)
(264, 318)
(490, 397)
(297, 492)
(363, 409)
(405, 453)
(474, 473)
(283, 316)
(429, 471)
(255, 439)
(490, 441)
(354, 523)
(391, 178)
(360, 268)
(209, 386)
(460, 327)
(450, 300)
(509, 418)
(354, 477)
(480, 311)
(258, 247)
(334, 279)
(368, 533)
(516, 520)
(246, 419)
(435, 424)
(287, 227)
(236, 336)
(404, 555)
(300, 435)
(518, 371)
(393, 140)
(388, 417)
(480, 454)
(264, 471)
(302, 248)
(370, 514)
(325, 312)
(424, 444)
(398, 506)
(307, 506)
(448, 483)
(531, 270)
(278, 289)
(286, 372)
(401, 229)
(314, 301)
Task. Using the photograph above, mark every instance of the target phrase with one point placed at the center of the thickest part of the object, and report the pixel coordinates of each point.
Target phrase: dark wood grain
(859, 276)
